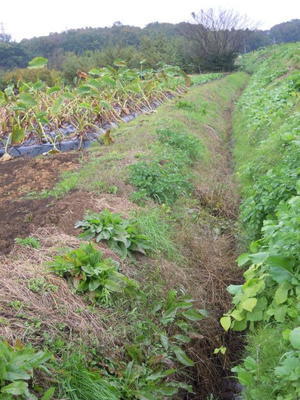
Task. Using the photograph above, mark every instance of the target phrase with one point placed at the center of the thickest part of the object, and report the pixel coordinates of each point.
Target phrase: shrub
(89, 273)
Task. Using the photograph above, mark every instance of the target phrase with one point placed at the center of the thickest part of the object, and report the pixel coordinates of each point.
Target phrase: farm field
(118, 264)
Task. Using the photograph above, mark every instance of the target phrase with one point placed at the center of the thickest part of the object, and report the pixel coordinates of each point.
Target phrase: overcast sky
(28, 18)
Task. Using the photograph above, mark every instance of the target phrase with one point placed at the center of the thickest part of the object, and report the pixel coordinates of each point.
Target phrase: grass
(155, 225)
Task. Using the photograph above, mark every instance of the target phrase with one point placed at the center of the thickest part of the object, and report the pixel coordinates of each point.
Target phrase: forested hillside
(157, 42)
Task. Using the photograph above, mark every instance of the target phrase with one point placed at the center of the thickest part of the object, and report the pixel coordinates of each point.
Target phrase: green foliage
(278, 184)
(156, 226)
(78, 382)
(121, 235)
(40, 285)
(163, 182)
(49, 76)
(36, 109)
(29, 242)
(90, 273)
(186, 105)
(271, 290)
(204, 78)
(267, 155)
(159, 340)
(271, 371)
(17, 365)
(167, 177)
(187, 143)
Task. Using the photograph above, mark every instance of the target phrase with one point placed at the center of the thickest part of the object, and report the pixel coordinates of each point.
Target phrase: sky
(28, 18)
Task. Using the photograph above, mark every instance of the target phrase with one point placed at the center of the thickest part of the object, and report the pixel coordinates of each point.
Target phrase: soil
(24, 175)
(20, 216)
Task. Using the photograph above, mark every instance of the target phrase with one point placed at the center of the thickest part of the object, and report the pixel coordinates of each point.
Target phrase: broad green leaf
(234, 289)
(280, 274)
(182, 357)
(225, 323)
(295, 338)
(249, 304)
(37, 62)
(26, 100)
(281, 293)
(48, 394)
(160, 375)
(238, 315)
(16, 388)
(239, 325)
(193, 315)
(182, 338)
(243, 259)
(164, 341)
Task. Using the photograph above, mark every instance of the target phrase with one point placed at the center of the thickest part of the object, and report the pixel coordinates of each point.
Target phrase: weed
(156, 226)
(40, 285)
(185, 105)
(187, 143)
(17, 365)
(29, 242)
(121, 235)
(90, 273)
(164, 182)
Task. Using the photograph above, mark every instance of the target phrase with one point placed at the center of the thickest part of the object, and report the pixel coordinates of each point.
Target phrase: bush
(50, 76)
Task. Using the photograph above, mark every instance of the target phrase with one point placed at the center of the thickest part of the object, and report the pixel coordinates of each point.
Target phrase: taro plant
(90, 273)
(17, 366)
(104, 95)
(121, 235)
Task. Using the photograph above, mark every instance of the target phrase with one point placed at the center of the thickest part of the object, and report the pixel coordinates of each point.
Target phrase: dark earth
(20, 215)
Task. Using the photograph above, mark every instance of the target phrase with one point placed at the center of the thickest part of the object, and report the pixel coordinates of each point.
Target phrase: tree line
(210, 43)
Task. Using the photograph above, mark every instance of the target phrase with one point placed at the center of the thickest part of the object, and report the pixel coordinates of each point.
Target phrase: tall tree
(217, 36)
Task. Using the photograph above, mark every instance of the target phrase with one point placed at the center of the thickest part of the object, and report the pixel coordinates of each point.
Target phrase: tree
(286, 32)
(217, 38)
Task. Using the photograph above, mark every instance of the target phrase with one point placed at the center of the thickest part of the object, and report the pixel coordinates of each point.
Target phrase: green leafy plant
(186, 105)
(162, 181)
(121, 235)
(78, 382)
(90, 273)
(40, 285)
(17, 365)
(187, 143)
(271, 289)
(29, 242)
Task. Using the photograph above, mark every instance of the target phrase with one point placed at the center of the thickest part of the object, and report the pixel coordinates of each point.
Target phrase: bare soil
(20, 216)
